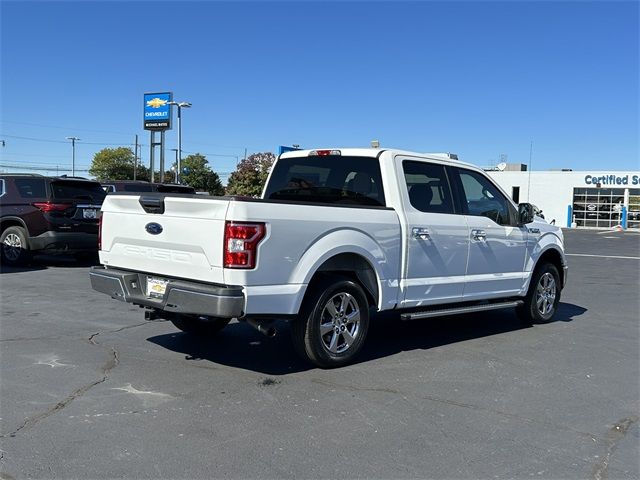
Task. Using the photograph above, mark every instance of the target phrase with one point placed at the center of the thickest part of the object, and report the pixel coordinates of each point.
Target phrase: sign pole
(157, 117)
(152, 146)
(162, 156)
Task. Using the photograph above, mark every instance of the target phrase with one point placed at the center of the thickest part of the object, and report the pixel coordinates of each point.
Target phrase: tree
(197, 173)
(251, 175)
(116, 164)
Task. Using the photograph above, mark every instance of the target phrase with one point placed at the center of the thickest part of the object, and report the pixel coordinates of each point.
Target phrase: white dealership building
(572, 198)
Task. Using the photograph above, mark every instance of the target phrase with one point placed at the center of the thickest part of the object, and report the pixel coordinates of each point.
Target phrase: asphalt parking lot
(91, 390)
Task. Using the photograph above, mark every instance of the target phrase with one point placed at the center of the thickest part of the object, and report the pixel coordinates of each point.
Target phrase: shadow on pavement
(567, 312)
(42, 262)
(240, 346)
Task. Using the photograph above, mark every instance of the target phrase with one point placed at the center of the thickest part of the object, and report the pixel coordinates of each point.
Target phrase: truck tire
(333, 323)
(200, 325)
(14, 246)
(543, 296)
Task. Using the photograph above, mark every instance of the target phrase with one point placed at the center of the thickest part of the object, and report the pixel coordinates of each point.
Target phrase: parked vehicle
(47, 214)
(336, 234)
(111, 186)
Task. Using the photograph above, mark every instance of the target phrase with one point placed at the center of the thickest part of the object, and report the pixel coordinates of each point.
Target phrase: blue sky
(477, 78)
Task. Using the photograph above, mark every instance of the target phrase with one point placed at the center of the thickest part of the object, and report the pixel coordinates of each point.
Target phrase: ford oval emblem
(153, 228)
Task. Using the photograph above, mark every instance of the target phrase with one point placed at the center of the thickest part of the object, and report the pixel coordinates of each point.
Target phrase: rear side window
(428, 187)
(31, 187)
(331, 180)
(74, 190)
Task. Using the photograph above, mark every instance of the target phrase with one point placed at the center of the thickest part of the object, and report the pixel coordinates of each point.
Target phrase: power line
(215, 145)
(63, 128)
(212, 154)
(49, 168)
(35, 155)
(62, 141)
(34, 139)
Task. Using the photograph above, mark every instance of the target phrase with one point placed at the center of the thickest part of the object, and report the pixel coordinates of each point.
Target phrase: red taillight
(52, 207)
(100, 232)
(241, 241)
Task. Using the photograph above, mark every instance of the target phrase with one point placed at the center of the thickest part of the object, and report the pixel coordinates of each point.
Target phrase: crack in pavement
(109, 365)
(614, 435)
(61, 337)
(94, 335)
(31, 421)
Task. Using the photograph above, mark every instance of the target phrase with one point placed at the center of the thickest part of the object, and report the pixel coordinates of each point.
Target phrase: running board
(458, 310)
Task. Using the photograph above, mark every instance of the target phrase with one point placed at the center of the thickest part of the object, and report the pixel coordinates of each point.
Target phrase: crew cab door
(436, 238)
(497, 246)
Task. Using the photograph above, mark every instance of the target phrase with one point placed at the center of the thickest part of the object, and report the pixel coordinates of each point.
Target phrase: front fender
(548, 240)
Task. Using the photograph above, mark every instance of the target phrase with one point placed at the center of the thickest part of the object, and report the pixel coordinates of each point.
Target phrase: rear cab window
(331, 179)
(137, 188)
(91, 192)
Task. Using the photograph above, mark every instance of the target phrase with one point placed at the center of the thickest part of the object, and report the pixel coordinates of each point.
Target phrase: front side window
(428, 187)
(330, 179)
(483, 198)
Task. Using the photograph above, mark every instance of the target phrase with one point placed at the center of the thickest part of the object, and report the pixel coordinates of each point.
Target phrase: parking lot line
(600, 256)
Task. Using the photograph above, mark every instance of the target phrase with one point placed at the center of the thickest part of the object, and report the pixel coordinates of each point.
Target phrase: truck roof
(375, 152)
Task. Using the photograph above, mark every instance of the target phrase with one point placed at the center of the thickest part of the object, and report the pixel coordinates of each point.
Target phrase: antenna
(501, 166)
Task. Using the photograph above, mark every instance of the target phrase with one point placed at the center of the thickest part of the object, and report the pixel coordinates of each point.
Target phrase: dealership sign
(157, 111)
(612, 180)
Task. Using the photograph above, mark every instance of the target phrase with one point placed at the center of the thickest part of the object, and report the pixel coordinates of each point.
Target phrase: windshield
(91, 192)
(330, 179)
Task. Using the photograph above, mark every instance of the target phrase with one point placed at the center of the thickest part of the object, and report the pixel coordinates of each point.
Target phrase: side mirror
(526, 212)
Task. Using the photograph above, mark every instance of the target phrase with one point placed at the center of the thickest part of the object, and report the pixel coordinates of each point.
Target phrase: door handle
(479, 235)
(420, 233)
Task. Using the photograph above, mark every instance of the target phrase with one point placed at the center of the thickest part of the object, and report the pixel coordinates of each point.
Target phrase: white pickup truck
(336, 236)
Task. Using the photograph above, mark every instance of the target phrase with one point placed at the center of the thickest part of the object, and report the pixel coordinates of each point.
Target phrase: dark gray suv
(47, 214)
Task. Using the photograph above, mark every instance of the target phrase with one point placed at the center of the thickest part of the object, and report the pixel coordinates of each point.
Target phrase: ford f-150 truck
(337, 235)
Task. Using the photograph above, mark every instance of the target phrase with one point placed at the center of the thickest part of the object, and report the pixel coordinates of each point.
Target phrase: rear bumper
(565, 274)
(181, 296)
(78, 241)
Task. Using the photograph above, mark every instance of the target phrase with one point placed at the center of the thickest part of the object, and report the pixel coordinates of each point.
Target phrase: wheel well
(354, 267)
(553, 257)
(11, 222)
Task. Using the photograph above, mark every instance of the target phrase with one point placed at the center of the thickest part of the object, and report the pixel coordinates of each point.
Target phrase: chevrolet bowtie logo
(156, 103)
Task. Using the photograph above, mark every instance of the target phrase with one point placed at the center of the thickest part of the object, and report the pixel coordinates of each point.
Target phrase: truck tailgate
(185, 242)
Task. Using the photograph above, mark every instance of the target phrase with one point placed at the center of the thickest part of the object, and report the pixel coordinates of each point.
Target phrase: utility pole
(73, 154)
(175, 166)
(135, 160)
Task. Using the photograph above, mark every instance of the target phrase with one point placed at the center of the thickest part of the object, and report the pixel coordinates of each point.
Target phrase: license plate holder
(156, 287)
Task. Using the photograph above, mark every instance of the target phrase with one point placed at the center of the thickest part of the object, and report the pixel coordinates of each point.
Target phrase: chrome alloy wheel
(546, 294)
(340, 323)
(12, 246)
